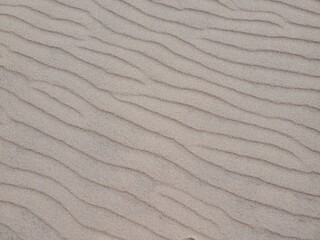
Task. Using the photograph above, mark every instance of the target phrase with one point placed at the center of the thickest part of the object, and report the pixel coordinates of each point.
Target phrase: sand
(159, 120)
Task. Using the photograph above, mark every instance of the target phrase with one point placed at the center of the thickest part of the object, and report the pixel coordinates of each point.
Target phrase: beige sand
(159, 119)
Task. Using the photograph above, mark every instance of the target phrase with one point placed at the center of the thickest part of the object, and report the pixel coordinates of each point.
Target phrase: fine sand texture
(160, 119)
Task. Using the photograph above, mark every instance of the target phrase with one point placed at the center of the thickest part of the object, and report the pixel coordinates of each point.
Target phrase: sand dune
(159, 120)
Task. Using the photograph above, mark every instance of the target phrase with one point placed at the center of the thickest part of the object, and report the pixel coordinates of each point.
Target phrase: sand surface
(159, 119)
